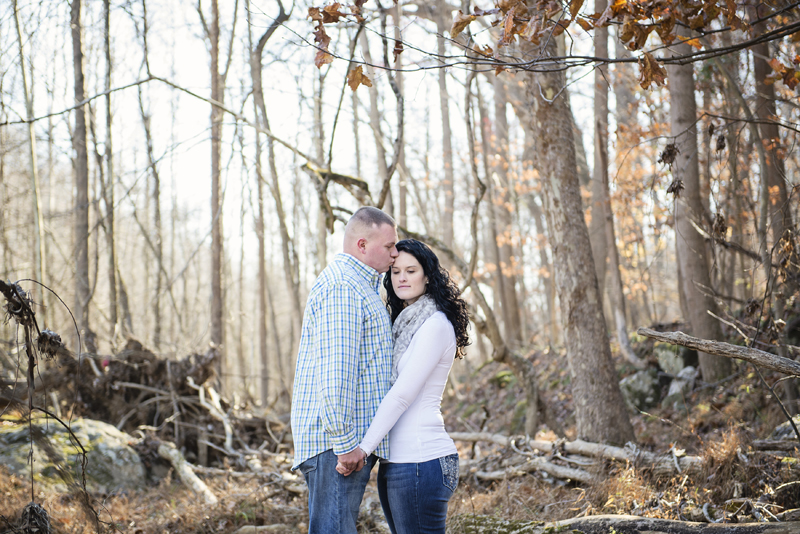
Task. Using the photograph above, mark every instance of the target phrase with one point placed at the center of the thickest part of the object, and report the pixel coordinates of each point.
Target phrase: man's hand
(351, 461)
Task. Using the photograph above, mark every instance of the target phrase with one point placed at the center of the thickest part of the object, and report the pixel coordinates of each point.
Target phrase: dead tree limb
(602, 524)
(660, 464)
(720, 348)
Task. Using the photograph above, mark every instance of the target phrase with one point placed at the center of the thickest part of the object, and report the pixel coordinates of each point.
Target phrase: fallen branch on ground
(661, 465)
(622, 524)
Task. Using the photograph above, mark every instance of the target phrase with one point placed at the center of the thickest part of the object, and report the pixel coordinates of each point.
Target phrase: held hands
(351, 461)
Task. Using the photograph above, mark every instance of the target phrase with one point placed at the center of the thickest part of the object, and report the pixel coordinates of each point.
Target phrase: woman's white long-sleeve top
(411, 411)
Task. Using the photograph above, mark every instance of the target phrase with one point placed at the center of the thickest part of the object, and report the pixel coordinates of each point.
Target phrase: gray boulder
(641, 390)
(111, 463)
(669, 358)
(680, 386)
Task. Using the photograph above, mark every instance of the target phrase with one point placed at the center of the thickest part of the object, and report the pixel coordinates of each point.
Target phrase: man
(343, 370)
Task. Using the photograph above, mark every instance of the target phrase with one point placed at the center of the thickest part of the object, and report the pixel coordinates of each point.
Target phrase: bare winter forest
(597, 177)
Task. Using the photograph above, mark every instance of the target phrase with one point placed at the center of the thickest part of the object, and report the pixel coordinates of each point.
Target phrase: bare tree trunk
(691, 248)
(289, 255)
(217, 297)
(271, 365)
(108, 186)
(780, 215)
(601, 414)
(448, 185)
(502, 205)
(319, 143)
(402, 197)
(157, 240)
(40, 257)
(81, 165)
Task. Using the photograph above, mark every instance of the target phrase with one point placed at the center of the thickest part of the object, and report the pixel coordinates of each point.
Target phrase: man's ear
(362, 245)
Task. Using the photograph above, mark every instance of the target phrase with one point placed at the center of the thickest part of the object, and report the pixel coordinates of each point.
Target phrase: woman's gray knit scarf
(406, 325)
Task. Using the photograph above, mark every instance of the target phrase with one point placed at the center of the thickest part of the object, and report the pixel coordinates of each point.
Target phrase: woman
(430, 323)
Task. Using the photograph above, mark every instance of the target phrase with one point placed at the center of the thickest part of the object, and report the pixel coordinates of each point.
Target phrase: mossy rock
(111, 463)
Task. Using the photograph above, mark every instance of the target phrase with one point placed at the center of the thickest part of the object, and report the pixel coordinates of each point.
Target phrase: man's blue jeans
(414, 496)
(333, 499)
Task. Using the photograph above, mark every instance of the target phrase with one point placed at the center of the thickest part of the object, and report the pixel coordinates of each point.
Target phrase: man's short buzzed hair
(371, 217)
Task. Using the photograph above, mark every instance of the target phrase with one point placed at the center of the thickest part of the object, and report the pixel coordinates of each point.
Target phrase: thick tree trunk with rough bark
(695, 283)
(600, 411)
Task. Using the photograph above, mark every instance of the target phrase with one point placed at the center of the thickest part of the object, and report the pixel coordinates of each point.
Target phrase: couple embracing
(368, 384)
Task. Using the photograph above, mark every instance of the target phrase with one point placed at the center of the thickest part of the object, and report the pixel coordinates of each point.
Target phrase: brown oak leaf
(398, 49)
(331, 13)
(357, 77)
(650, 71)
(460, 22)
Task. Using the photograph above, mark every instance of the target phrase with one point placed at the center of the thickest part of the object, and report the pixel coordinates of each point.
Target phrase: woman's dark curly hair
(440, 287)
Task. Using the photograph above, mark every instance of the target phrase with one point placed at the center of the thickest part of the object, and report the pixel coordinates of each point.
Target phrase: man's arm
(339, 324)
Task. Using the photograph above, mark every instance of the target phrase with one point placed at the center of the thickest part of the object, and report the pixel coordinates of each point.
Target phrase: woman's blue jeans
(414, 496)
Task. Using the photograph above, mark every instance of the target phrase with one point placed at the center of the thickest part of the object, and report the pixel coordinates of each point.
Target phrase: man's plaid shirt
(344, 363)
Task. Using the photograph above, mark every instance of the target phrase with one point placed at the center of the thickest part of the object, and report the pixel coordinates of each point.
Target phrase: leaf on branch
(315, 14)
(485, 51)
(585, 24)
(642, 32)
(664, 30)
(356, 11)
(651, 71)
(322, 39)
(398, 49)
(331, 13)
(508, 29)
(628, 29)
(675, 188)
(575, 7)
(357, 77)
(460, 22)
(694, 43)
(614, 8)
(668, 155)
(776, 65)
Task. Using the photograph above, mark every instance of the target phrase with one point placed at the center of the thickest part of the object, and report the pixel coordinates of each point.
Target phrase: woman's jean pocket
(449, 466)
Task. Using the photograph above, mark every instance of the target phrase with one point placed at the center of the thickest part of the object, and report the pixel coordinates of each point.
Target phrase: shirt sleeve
(429, 344)
(337, 338)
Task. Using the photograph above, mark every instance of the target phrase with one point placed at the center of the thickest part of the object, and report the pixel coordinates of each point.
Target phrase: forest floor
(719, 425)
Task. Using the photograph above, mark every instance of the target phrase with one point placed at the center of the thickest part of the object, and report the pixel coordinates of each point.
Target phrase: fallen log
(661, 465)
(603, 524)
(720, 348)
(168, 451)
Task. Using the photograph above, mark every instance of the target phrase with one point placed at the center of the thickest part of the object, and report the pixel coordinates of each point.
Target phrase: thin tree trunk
(691, 248)
(108, 185)
(40, 257)
(448, 184)
(81, 166)
(598, 227)
(502, 206)
(402, 197)
(290, 260)
(217, 297)
(600, 411)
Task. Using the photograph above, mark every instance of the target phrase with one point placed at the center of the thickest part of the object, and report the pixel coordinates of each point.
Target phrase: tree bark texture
(448, 184)
(603, 524)
(501, 204)
(600, 411)
(40, 257)
(720, 348)
(691, 248)
(108, 186)
(217, 298)
(81, 166)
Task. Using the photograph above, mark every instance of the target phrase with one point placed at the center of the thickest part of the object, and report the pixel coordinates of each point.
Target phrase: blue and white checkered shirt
(344, 363)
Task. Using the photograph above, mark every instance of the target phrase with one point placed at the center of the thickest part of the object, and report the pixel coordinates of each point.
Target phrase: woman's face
(408, 278)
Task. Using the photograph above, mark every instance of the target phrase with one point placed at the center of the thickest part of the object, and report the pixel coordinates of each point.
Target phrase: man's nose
(394, 252)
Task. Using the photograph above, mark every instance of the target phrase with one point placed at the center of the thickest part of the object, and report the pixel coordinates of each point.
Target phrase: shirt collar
(370, 275)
